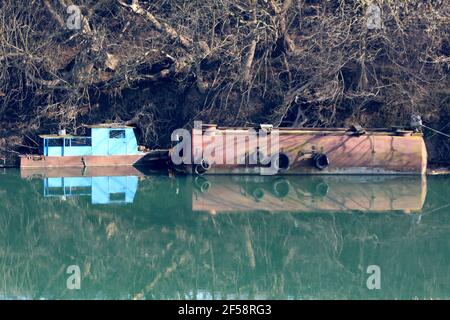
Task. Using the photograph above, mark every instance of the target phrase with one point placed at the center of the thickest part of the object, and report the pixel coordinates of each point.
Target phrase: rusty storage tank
(225, 150)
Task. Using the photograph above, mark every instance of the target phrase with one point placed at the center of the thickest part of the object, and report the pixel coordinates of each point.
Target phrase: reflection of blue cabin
(103, 190)
(102, 140)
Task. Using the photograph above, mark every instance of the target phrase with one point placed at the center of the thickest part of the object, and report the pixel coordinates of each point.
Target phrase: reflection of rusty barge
(309, 151)
(222, 194)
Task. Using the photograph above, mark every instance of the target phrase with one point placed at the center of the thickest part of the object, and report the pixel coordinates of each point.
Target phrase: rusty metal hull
(221, 194)
(374, 152)
(27, 162)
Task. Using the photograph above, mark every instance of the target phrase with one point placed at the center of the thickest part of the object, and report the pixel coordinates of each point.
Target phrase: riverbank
(160, 67)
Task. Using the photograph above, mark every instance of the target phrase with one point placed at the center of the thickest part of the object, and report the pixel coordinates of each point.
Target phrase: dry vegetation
(161, 64)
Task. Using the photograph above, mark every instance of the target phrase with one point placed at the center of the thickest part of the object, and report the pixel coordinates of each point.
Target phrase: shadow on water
(162, 237)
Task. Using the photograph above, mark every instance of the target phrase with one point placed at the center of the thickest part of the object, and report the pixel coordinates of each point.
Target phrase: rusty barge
(262, 150)
(223, 150)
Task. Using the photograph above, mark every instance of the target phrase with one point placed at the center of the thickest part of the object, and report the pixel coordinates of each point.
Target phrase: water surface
(240, 237)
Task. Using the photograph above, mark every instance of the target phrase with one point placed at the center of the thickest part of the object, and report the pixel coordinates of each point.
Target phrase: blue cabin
(102, 190)
(101, 140)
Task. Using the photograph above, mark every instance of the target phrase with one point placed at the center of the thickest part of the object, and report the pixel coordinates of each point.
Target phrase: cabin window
(55, 142)
(117, 134)
(55, 191)
(78, 191)
(117, 197)
(81, 142)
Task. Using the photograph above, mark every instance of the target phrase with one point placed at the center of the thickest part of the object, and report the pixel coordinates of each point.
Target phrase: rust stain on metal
(374, 152)
(79, 161)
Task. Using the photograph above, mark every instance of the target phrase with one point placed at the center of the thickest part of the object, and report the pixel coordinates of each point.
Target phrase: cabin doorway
(117, 142)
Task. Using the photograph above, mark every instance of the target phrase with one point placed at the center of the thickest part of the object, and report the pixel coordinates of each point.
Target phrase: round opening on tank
(321, 161)
(281, 161)
(205, 165)
(321, 189)
(281, 188)
(258, 194)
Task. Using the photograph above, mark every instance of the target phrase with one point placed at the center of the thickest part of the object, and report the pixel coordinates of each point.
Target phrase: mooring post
(3, 164)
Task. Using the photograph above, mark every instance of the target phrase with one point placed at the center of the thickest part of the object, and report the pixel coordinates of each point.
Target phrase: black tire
(202, 184)
(202, 167)
(321, 161)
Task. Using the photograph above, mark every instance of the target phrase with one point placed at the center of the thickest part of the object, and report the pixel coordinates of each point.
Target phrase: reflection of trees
(159, 248)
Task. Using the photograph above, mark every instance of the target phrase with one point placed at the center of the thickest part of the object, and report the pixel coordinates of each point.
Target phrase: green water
(225, 237)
